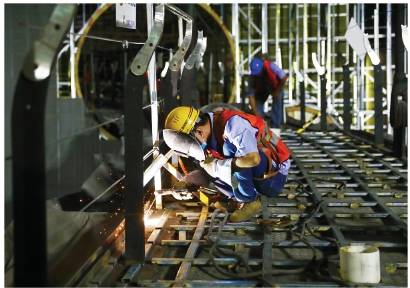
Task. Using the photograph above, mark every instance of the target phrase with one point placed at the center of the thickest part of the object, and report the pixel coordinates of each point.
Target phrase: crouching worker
(243, 157)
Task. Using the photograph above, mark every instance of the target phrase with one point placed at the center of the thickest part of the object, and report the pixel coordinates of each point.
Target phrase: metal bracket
(196, 56)
(299, 76)
(140, 63)
(176, 61)
(319, 69)
(38, 63)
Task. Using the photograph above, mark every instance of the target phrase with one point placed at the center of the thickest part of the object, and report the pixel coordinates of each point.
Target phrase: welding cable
(240, 259)
(259, 273)
(311, 232)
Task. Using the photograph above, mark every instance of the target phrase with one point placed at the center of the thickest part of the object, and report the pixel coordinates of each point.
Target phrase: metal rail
(323, 172)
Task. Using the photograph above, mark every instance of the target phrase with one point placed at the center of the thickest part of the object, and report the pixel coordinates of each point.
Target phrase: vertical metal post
(264, 21)
(305, 46)
(329, 50)
(290, 50)
(362, 93)
(277, 32)
(152, 83)
(356, 75)
(347, 115)
(134, 189)
(347, 25)
(302, 102)
(249, 34)
(235, 34)
(378, 105)
(211, 61)
(72, 62)
(297, 51)
(376, 29)
(389, 74)
(29, 183)
(323, 103)
(318, 50)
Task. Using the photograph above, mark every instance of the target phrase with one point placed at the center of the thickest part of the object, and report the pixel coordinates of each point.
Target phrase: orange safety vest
(272, 78)
(273, 146)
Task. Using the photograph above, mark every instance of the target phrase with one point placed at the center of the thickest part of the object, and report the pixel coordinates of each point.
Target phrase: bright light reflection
(152, 221)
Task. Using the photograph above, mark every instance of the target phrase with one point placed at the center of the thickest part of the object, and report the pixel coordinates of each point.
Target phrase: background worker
(267, 78)
(241, 151)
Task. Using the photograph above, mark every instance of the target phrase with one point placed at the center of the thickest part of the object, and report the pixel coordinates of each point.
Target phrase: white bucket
(360, 264)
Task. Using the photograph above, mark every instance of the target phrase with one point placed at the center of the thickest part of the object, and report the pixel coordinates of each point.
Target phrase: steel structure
(340, 191)
(329, 44)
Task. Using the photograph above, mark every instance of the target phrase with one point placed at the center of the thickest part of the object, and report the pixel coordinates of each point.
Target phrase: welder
(240, 150)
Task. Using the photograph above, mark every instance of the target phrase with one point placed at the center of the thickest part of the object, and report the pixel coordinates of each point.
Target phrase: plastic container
(360, 264)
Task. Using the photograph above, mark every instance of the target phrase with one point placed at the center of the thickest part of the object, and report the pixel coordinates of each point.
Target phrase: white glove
(217, 168)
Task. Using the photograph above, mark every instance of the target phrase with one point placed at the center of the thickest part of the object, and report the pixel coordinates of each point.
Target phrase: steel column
(28, 147)
(264, 20)
(323, 103)
(378, 105)
(152, 83)
(134, 189)
(347, 115)
(302, 102)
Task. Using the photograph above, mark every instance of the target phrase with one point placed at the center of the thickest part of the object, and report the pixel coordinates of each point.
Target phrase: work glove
(217, 167)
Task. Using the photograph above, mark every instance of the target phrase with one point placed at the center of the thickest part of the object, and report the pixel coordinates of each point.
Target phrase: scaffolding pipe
(249, 34)
(264, 28)
(376, 29)
(72, 62)
(362, 66)
(389, 74)
(290, 58)
(236, 36)
(277, 34)
(329, 49)
(297, 52)
(318, 50)
(152, 82)
(305, 46)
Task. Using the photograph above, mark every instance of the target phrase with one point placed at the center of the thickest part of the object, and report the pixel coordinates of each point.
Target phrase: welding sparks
(153, 221)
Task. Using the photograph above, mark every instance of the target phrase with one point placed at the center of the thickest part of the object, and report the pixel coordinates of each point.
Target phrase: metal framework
(330, 45)
(340, 191)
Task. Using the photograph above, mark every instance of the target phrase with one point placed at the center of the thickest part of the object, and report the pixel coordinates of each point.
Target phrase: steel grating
(340, 191)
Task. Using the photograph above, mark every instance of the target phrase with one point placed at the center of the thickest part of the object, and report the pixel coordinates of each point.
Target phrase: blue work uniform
(239, 140)
(260, 88)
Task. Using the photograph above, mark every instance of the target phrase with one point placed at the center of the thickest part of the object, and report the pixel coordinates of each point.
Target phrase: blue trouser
(276, 114)
(248, 188)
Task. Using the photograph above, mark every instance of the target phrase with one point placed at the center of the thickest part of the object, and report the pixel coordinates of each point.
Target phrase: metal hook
(196, 56)
(140, 63)
(38, 63)
(176, 61)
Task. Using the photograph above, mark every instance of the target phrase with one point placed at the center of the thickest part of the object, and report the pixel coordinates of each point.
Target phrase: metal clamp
(176, 61)
(140, 63)
(319, 69)
(299, 76)
(38, 63)
(195, 58)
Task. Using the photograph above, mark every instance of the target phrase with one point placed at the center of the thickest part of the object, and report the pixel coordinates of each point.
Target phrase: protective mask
(203, 145)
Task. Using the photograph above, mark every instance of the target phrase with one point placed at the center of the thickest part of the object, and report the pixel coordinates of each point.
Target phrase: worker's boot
(247, 211)
(226, 205)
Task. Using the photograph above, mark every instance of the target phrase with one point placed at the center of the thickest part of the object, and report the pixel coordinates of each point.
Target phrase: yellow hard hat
(182, 119)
